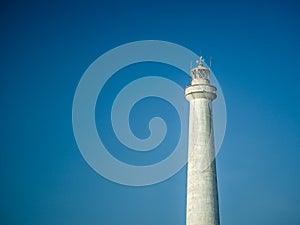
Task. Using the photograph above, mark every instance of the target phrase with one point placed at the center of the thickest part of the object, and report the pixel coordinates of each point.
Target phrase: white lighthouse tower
(202, 193)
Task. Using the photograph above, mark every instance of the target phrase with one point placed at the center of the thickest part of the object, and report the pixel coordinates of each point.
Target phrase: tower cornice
(201, 91)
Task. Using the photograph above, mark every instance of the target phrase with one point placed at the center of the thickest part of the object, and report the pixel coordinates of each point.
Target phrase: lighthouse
(202, 192)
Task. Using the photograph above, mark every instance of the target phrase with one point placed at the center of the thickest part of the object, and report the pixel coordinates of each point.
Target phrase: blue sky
(47, 46)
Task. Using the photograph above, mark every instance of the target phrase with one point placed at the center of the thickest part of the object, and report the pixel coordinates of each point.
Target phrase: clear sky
(47, 45)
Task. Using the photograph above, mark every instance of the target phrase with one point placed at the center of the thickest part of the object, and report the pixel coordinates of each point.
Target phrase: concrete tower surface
(202, 193)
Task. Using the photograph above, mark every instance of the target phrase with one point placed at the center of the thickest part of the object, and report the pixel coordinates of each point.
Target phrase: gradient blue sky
(47, 45)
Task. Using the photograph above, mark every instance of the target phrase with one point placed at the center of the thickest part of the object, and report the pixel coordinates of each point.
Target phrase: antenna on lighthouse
(210, 62)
